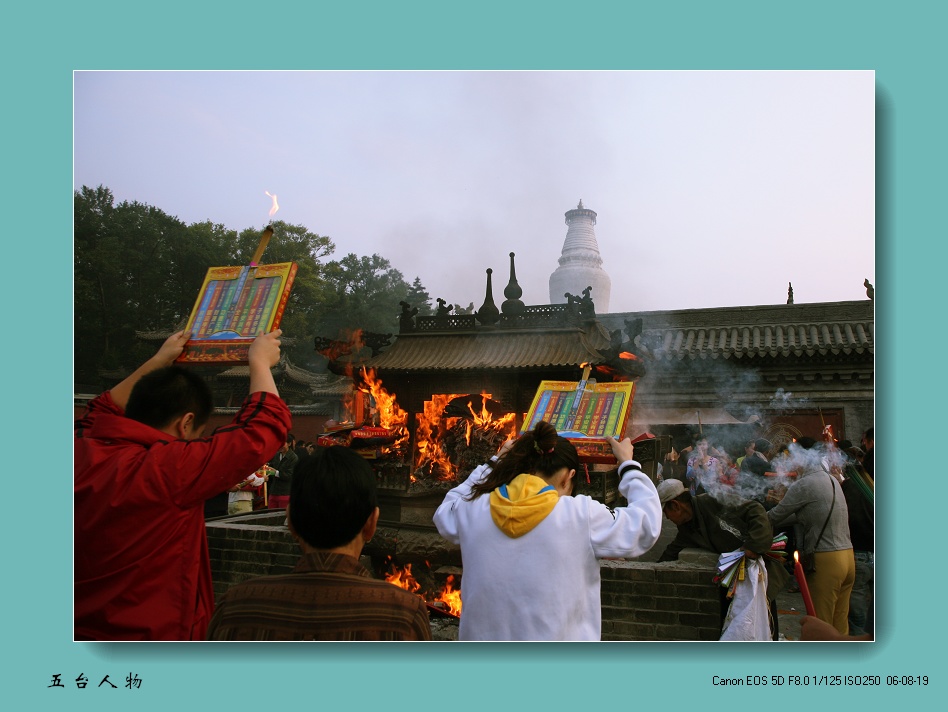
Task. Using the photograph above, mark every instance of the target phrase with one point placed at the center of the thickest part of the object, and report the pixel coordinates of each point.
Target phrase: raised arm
(264, 355)
(631, 530)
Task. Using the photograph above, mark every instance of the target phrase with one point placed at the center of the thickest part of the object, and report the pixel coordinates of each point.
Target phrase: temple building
(777, 371)
(580, 263)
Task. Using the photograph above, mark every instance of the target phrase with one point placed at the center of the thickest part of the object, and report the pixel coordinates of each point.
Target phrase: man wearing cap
(706, 523)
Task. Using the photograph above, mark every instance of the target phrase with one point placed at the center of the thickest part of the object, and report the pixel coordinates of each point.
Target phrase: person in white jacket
(530, 550)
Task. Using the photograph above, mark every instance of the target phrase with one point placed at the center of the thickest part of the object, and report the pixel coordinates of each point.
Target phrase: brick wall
(674, 600)
(245, 547)
(641, 600)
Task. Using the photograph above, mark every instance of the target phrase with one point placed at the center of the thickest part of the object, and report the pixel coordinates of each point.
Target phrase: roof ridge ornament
(513, 306)
(488, 314)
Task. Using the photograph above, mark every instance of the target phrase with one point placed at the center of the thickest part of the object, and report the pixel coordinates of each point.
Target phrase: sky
(712, 188)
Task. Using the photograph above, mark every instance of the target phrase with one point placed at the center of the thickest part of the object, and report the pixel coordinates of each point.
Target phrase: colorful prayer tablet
(234, 306)
(585, 413)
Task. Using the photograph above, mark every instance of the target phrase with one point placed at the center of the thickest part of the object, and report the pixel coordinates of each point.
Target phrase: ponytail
(541, 452)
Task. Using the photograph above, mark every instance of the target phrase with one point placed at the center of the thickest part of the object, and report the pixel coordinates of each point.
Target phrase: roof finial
(488, 314)
(512, 306)
(580, 206)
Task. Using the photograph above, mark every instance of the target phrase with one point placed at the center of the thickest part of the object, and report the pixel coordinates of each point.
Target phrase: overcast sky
(711, 188)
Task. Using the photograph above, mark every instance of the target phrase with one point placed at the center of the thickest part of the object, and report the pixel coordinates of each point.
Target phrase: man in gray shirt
(815, 503)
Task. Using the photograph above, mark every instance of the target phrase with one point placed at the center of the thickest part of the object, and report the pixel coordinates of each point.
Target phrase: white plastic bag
(748, 617)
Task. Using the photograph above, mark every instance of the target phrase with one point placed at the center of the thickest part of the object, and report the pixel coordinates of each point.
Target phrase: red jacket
(141, 564)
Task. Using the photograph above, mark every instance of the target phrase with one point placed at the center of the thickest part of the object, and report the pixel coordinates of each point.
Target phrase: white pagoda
(580, 262)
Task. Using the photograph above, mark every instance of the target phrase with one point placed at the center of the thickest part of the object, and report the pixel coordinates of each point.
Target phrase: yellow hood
(518, 507)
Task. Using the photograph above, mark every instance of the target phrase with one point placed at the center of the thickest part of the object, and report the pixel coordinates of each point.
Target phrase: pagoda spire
(580, 264)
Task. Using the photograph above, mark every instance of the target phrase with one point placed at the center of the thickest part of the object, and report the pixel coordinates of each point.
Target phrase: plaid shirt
(327, 597)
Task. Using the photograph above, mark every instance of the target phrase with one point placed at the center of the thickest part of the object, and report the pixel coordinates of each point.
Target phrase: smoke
(785, 468)
(785, 401)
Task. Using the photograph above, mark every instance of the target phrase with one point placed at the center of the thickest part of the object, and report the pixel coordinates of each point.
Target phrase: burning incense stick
(264, 241)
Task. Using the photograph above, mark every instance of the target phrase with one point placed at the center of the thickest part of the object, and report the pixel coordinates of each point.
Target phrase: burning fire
(628, 356)
(433, 426)
(403, 579)
(485, 420)
(435, 431)
(449, 597)
(274, 207)
(390, 415)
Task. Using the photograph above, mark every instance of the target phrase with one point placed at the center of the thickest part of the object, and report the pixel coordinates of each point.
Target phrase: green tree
(138, 269)
(125, 258)
(363, 293)
(418, 296)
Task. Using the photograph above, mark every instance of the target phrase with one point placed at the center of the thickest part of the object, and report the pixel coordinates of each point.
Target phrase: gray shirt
(807, 503)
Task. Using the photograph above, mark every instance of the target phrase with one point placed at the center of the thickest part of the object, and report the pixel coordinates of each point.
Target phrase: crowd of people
(144, 468)
(819, 492)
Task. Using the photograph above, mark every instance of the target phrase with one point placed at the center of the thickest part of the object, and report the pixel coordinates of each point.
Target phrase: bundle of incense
(734, 572)
(778, 550)
(731, 565)
(730, 570)
(863, 482)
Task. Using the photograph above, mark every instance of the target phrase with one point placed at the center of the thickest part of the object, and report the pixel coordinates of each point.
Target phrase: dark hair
(806, 442)
(762, 445)
(540, 452)
(168, 393)
(332, 495)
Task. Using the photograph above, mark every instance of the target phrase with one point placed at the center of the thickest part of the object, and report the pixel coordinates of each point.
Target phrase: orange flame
(628, 356)
(432, 427)
(274, 207)
(403, 579)
(607, 372)
(429, 436)
(449, 596)
(387, 410)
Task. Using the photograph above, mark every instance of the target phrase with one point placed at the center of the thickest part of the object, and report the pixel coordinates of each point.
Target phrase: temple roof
(320, 384)
(494, 349)
(790, 330)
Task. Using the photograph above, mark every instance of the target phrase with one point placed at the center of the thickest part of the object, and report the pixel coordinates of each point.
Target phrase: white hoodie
(544, 583)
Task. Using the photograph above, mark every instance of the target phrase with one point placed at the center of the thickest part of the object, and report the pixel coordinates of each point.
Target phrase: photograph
(513, 354)
(661, 310)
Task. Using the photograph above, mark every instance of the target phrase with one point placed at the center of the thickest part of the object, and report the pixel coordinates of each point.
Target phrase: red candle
(801, 582)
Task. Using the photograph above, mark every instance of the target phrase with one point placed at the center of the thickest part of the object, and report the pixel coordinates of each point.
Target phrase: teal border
(901, 42)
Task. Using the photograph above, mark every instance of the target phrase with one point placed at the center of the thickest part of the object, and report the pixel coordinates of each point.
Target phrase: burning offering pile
(429, 451)
(446, 600)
